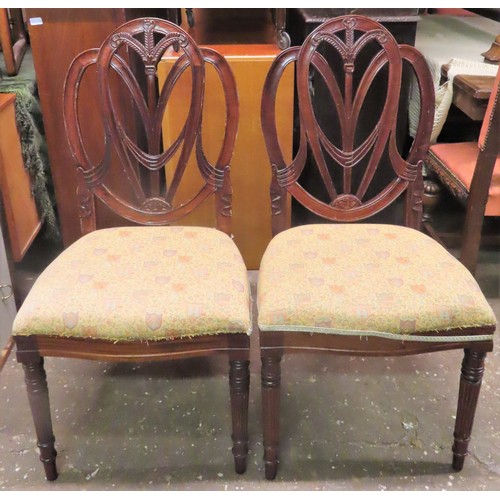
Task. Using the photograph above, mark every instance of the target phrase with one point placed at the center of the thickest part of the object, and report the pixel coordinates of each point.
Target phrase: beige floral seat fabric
(141, 283)
(362, 279)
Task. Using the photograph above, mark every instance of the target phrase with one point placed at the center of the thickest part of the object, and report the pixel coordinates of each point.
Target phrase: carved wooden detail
(452, 183)
(470, 384)
(349, 36)
(38, 395)
(271, 382)
(276, 192)
(239, 383)
(414, 209)
(143, 157)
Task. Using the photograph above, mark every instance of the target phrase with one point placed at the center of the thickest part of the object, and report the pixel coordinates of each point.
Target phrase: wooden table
(471, 93)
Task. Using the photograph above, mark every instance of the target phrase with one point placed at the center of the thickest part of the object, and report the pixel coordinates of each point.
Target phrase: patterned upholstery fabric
(141, 283)
(381, 280)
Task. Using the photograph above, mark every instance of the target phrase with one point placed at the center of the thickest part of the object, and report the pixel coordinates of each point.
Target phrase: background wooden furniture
(462, 37)
(492, 55)
(12, 39)
(46, 327)
(471, 172)
(319, 285)
(249, 174)
(23, 221)
(401, 22)
(7, 305)
(226, 26)
(470, 93)
(282, 37)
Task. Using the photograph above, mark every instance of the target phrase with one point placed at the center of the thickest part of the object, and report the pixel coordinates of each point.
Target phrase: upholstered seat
(141, 283)
(455, 164)
(388, 281)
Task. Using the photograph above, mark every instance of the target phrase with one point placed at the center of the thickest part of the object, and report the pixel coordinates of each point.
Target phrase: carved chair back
(332, 55)
(131, 54)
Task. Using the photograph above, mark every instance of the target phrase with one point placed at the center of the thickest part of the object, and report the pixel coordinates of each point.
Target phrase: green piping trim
(362, 333)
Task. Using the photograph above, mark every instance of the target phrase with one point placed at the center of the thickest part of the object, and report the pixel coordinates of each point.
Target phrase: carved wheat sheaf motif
(348, 36)
(149, 52)
(350, 49)
(141, 153)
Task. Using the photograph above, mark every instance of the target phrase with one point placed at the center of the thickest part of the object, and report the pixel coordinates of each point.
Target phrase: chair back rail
(349, 88)
(142, 157)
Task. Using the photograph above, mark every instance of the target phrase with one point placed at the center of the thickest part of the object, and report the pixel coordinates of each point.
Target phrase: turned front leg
(239, 383)
(271, 378)
(38, 396)
(470, 384)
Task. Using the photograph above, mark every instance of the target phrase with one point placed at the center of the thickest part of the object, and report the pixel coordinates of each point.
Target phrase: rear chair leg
(470, 384)
(271, 379)
(239, 383)
(38, 395)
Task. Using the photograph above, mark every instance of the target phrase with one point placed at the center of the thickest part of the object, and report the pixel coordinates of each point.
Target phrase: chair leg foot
(38, 396)
(240, 464)
(271, 381)
(271, 470)
(458, 462)
(470, 385)
(239, 384)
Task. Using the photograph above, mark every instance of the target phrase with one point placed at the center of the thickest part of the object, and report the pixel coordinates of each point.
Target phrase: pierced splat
(143, 158)
(348, 87)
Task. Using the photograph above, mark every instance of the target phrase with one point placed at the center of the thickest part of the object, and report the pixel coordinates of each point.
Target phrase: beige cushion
(141, 283)
(381, 280)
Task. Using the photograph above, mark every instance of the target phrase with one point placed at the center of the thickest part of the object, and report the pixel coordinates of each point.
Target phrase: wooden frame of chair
(153, 208)
(349, 206)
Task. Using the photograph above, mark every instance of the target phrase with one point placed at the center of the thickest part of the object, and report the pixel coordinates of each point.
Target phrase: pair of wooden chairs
(165, 292)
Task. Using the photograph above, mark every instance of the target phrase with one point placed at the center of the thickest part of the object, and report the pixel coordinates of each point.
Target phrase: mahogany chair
(471, 172)
(359, 289)
(136, 294)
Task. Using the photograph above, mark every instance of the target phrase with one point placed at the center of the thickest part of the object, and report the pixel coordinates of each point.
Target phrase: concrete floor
(347, 423)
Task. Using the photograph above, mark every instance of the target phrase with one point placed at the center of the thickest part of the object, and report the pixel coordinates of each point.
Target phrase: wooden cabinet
(7, 305)
(22, 220)
(250, 167)
(402, 23)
